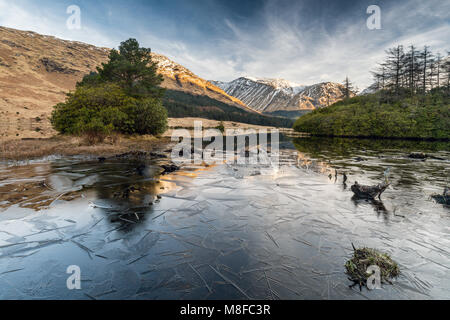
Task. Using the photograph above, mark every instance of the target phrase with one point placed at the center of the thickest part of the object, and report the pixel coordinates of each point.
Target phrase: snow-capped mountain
(177, 77)
(265, 95)
(278, 95)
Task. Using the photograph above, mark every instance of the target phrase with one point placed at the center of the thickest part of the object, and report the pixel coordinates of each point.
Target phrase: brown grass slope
(36, 71)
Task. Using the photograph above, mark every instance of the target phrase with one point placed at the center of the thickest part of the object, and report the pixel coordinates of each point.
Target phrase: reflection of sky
(304, 41)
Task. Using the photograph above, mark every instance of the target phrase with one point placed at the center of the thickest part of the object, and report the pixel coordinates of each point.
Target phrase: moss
(356, 267)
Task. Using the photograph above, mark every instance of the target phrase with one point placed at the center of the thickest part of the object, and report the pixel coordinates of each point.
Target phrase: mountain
(176, 77)
(278, 96)
(264, 95)
(36, 72)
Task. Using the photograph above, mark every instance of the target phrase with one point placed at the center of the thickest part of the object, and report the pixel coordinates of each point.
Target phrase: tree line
(413, 71)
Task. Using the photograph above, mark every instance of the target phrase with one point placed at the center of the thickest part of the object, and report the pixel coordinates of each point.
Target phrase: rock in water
(369, 192)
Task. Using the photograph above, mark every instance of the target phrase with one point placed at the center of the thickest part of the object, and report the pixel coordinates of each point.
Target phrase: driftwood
(369, 192)
(443, 198)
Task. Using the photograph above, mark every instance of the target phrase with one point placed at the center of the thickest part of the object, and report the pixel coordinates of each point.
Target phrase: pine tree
(348, 88)
(132, 68)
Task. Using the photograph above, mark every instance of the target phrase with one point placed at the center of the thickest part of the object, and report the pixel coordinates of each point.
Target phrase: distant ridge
(281, 96)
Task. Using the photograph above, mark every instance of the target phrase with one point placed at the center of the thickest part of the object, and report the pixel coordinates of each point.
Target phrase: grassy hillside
(378, 115)
(181, 104)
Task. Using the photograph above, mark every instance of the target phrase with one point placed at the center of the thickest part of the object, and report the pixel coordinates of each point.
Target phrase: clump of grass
(221, 127)
(356, 267)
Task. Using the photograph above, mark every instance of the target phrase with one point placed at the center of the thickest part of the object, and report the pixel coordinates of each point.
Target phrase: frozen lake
(225, 231)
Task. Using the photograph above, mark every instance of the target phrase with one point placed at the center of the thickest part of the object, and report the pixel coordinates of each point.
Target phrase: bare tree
(412, 66)
(425, 57)
(380, 77)
(395, 65)
(446, 66)
(348, 88)
(438, 66)
(413, 71)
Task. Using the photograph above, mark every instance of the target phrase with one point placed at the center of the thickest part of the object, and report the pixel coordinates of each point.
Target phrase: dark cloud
(304, 41)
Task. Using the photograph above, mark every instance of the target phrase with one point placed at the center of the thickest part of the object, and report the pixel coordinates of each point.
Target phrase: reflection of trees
(377, 205)
(127, 191)
(317, 146)
(367, 156)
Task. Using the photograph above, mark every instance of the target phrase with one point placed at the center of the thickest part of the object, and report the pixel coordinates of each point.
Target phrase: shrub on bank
(106, 108)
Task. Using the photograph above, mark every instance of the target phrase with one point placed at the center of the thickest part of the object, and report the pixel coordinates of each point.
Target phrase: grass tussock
(356, 267)
(76, 145)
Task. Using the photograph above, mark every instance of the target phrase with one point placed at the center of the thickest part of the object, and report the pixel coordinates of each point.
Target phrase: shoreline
(33, 149)
(375, 137)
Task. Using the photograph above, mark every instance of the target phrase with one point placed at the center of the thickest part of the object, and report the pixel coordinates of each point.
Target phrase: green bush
(91, 109)
(105, 108)
(145, 117)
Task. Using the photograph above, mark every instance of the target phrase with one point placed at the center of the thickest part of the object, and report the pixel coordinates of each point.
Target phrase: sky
(303, 41)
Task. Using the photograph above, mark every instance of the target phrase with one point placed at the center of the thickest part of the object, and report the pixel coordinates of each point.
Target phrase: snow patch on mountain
(272, 95)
